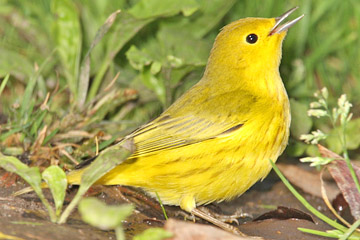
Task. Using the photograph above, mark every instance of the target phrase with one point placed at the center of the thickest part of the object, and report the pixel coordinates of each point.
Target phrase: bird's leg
(185, 215)
(227, 227)
(226, 218)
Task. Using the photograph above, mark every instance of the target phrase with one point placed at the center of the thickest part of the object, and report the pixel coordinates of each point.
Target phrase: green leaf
(125, 28)
(84, 77)
(3, 83)
(27, 103)
(155, 68)
(50, 136)
(153, 234)
(37, 124)
(98, 214)
(13, 151)
(155, 83)
(30, 175)
(129, 23)
(211, 15)
(181, 45)
(14, 62)
(301, 123)
(56, 180)
(138, 59)
(296, 148)
(155, 8)
(67, 36)
(352, 139)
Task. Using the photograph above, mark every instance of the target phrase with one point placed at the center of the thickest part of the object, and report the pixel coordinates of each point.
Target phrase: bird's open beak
(280, 28)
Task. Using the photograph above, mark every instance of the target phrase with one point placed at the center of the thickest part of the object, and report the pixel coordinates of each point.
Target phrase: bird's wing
(168, 132)
(194, 119)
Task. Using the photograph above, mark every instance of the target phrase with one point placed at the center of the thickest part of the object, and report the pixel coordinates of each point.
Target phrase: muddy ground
(25, 217)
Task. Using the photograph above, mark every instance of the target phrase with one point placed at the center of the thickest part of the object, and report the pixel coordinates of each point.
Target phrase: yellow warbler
(216, 140)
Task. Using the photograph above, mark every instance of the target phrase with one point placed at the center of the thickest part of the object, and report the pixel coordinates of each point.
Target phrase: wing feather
(177, 132)
(194, 118)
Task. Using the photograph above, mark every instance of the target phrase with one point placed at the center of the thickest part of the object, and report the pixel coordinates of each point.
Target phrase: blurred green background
(159, 48)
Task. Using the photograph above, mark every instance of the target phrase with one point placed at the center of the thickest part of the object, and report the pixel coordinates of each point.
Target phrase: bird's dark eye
(252, 38)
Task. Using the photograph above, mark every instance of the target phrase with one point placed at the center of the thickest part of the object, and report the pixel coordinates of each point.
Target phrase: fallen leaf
(308, 181)
(342, 176)
(341, 173)
(193, 231)
(283, 213)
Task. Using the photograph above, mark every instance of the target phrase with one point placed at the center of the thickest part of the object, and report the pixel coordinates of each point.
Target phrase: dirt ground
(26, 218)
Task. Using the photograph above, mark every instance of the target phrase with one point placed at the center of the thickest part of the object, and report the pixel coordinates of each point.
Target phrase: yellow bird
(216, 140)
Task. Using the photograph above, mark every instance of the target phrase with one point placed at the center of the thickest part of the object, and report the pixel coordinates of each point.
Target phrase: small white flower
(342, 100)
(316, 161)
(315, 105)
(306, 137)
(316, 113)
(344, 108)
(324, 93)
(314, 137)
(323, 102)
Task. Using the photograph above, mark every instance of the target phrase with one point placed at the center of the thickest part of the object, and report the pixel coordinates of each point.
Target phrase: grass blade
(348, 233)
(3, 83)
(319, 233)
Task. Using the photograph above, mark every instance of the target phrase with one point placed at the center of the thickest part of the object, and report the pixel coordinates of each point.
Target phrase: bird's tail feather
(27, 190)
(73, 177)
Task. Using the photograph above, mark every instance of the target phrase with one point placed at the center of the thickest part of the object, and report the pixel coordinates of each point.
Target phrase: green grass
(162, 53)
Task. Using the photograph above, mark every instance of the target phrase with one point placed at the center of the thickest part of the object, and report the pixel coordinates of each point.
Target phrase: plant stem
(306, 203)
(82, 190)
(347, 159)
(352, 171)
(319, 233)
(47, 205)
(162, 206)
(3, 83)
(348, 233)
(119, 232)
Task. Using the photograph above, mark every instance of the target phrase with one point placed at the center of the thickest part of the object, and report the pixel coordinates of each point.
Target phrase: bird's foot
(225, 226)
(185, 215)
(233, 218)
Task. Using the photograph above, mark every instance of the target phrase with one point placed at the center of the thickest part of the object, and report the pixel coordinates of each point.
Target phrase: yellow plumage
(216, 140)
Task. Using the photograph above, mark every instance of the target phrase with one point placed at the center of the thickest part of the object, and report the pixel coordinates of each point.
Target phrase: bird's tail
(27, 190)
(73, 177)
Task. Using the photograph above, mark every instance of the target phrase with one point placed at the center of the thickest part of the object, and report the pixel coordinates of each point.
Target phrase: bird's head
(249, 45)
